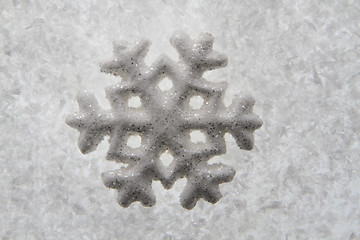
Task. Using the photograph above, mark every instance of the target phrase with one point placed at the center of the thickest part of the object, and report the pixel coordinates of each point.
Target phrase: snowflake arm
(91, 121)
(198, 54)
(243, 122)
(203, 182)
(132, 185)
(129, 60)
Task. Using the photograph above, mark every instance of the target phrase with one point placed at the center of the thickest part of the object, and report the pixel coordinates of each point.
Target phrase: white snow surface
(299, 59)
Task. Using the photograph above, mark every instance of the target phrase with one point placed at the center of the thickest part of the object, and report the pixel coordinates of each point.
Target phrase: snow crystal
(165, 122)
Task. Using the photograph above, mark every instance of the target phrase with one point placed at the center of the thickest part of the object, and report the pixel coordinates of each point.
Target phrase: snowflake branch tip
(87, 102)
(123, 50)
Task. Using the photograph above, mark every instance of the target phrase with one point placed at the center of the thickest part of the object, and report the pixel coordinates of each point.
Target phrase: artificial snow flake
(164, 121)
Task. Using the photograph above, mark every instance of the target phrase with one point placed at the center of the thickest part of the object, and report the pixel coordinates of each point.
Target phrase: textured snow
(300, 60)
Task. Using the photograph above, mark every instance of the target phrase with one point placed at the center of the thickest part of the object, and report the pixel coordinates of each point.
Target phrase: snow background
(299, 59)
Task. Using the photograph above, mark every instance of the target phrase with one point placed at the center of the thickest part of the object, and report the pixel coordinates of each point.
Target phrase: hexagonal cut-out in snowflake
(163, 121)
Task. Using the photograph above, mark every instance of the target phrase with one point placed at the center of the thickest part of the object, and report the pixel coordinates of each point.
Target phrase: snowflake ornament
(164, 121)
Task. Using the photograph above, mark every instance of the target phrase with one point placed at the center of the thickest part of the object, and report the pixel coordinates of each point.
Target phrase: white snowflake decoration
(164, 121)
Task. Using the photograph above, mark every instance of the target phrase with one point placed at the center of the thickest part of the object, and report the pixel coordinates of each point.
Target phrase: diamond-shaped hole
(196, 102)
(134, 102)
(165, 84)
(197, 136)
(166, 158)
(134, 141)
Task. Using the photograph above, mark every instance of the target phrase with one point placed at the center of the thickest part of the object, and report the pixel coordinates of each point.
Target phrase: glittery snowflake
(165, 120)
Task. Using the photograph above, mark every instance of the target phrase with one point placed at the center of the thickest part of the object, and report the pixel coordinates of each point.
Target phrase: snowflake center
(168, 120)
